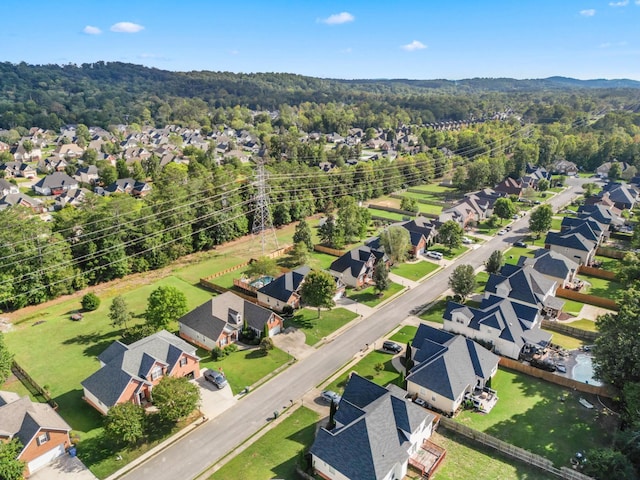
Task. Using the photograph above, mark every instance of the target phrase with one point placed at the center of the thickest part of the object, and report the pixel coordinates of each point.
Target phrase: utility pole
(262, 224)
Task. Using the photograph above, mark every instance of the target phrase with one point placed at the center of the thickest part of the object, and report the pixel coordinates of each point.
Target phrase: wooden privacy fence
(329, 251)
(610, 252)
(399, 211)
(603, 391)
(585, 298)
(569, 330)
(512, 451)
(31, 384)
(597, 272)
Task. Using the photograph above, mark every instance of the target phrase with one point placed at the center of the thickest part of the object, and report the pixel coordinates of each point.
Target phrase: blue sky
(418, 39)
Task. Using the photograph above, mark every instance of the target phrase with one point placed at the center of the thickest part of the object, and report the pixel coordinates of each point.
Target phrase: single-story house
(43, 433)
(128, 373)
(377, 430)
(127, 185)
(564, 167)
(219, 321)
(55, 184)
(7, 188)
(447, 367)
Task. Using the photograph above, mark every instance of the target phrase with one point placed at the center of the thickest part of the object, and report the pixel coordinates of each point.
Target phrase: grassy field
(609, 264)
(314, 328)
(434, 314)
(584, 324)
(511, 255)
(481, 281)
(449, 254)
(370, 297)
(245, 367)
(556, 223)
(572, 307)
(404, 335)
(414, 271)
(530, 415)
(466, 460)
(601, 287)
(565, 341)
(366, 368)
(393, 216)
(274, 455)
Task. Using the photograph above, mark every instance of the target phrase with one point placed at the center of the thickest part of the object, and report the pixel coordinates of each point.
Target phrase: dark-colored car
(421, 402)
(543, 365)
(215, 377)
(390, 346)
(520, 243)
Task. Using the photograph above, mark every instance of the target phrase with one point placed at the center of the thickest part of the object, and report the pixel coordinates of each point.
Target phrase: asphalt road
(189, 457)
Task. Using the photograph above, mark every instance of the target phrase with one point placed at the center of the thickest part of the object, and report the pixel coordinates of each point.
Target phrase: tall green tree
(540, 220)
(463, 281)
(303, 234)
(6, 360)
(299, 254)
(504, 208)
(331, 233)
(495, 262)
(381, 277)
(318, 290)
(125, 422)
(10, 467)
(263, 266)
(450, 234)
(165, 305)
(119, 313)
(175, 397)
(352, 219)
(396, 242)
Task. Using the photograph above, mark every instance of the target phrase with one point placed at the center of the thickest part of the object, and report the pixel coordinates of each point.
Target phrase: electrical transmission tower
(262, 224)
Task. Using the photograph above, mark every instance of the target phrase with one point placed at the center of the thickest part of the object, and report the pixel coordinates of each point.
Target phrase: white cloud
(621, 3)
(338, 18)
(415, 45)
(126, 27)
(91, 30)
(588, 13)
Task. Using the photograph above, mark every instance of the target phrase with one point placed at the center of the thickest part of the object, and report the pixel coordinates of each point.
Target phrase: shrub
(266, 344)
(287, 311)
(90, 302)
(218, 353)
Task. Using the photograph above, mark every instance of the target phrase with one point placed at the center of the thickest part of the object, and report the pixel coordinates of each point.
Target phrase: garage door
(43, 460)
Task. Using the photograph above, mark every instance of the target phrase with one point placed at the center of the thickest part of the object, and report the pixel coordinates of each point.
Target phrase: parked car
(515, 216)
(421, 402)
(436, 255)
(215, 377)
(543, 365)
(330, 396)
(390, 346)
(502, 232)
(561, 368)
(466, 240)
(508, 228)
(520, 243)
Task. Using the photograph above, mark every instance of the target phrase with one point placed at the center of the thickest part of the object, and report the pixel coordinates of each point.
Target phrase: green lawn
(321, 261)
(370, 297)
(481, 280)
(314, 328)
(274, 455)
(609, 264)
(556, 223)
(414, 271)
(449, 254)
(530, 415)
(572, 307)
(404, 335)
(484, 228)
(565, 341)
(511, 255)
(434, 314)
(601, 287)
(245, 367)
(366, 368)
(584, 324)
(466, 460)
(394, 216)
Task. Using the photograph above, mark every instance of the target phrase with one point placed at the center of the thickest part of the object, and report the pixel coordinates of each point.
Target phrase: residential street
(196, 452)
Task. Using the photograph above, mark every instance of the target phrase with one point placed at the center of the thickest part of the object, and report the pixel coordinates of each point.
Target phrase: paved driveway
(214, 401)
(64, 468)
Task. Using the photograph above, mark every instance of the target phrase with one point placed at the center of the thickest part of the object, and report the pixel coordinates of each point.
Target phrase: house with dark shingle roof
(128, 373)
(524, 284)
(283, 290)
(7, 188)
(447, 367)
(55, 184)
(219, 321)
(506, 324)
(572, 245)
(377, 431)
(601, 214)
(509, 186)
(623, 196)
(355, 268)
(590, 228)
(552, 265)
(43, 433)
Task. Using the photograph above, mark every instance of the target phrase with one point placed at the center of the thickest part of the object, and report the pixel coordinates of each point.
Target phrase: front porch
(426, 459)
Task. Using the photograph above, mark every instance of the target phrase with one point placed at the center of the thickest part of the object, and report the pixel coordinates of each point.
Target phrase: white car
(330, 396)
(436, 255)
(466, 240)
(502, 232)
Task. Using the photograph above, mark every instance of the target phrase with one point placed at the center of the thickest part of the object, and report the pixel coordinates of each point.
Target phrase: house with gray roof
(128, 373)
(218, 322)
(589, 227)
(7, 188)
(377, 431)
(283, 290)
(553, 265)
(504, 323)
(601, 214)
(355, 268)
(573, 245)
(43, 433)
(447, 367)
(524, 284)
(55, 184)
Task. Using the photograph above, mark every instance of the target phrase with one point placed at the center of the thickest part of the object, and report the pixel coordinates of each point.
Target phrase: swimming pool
(583, 370)
(262, 281)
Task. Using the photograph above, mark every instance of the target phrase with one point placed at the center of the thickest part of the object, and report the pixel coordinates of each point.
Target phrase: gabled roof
(372, 433)
(550, 263)
(600, 213)
(56, 179)
(285, 285)
(570, 240)
(448, 364)
(126, 363)
(619, 193)
(355, 260)
(569, 223)
(522, 283)
(225, 311)
(23, 419)
(422, 225)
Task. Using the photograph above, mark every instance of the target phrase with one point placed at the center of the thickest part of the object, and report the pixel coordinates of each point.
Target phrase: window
(43, 438)
(156, 373)
(183, 361)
